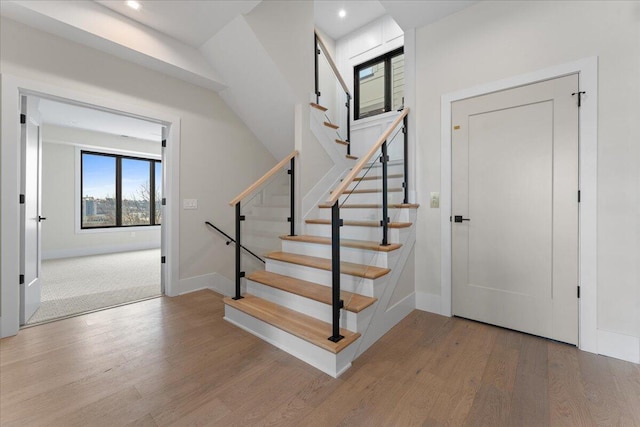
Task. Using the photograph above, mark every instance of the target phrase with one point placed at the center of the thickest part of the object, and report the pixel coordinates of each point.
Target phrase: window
(119, 191)
(379, 85)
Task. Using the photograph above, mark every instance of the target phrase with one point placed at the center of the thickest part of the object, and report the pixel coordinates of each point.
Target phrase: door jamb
(12, 88)
(587, 70)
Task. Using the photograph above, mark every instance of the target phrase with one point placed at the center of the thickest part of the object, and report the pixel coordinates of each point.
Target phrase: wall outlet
(434, 200)
(190, 204)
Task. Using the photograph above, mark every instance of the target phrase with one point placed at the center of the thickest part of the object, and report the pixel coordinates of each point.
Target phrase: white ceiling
(415, 14)
(191, 22)
(68, 115)
(358, 14)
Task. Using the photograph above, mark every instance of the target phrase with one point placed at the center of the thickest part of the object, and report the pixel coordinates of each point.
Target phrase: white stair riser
(358, 256)
(370, 214)
(268, 211)
(279, 200)
(352, 321)
(376, 183)
(392, 169)
(348, 283)
(373, 234)
(358, 198)
(326, 361)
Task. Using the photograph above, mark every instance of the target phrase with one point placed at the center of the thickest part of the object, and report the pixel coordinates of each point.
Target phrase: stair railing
(253, 198)
(379, 147)
(232, 240)
(322, 51)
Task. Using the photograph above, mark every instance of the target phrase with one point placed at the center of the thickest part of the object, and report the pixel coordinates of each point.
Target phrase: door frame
(587, 70)
(12, 89)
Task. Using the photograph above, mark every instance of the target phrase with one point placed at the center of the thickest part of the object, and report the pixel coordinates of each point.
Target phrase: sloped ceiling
(166, 35)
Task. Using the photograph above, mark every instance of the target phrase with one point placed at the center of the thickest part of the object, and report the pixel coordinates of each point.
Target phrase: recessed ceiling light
(133, 4)
(342, 13)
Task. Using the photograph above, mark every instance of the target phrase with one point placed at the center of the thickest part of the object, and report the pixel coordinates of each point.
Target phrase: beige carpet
(76, 285)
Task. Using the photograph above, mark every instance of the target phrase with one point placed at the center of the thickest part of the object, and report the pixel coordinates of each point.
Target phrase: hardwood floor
(175, 361)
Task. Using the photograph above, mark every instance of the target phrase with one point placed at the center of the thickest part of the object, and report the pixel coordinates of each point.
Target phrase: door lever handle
(41, 218)
(458, 218)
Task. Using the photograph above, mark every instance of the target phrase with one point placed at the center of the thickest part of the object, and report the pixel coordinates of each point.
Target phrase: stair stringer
(341, 165)
(384, 317)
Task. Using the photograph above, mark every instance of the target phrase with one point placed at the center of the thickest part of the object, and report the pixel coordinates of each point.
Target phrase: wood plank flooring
(175, 361)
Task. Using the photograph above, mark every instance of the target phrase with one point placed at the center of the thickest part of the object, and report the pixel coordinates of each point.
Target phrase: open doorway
(92, 213)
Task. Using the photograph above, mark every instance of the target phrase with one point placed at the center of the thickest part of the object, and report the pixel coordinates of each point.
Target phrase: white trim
(212, 281)
(428, 302)
(98, 250)
(12, 88)
(587, 69)
(620, 346)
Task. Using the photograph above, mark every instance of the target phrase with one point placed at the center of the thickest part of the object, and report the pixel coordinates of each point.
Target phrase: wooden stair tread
(340, 141)
(360, 223)
(374, 177)
(331, 125)
(352, 269)
(304, 327)
(357, 244)
(318, 107)
(353, 302)
(350, 157)
(371, 190)
(373, 206)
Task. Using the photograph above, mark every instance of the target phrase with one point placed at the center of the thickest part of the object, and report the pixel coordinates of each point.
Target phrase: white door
(30, 214)
(515, 193)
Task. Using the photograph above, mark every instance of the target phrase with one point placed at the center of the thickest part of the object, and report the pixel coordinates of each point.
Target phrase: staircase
(289, 304)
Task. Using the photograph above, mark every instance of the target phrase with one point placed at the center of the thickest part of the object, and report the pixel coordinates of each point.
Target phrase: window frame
(386, 59)
(153, 179)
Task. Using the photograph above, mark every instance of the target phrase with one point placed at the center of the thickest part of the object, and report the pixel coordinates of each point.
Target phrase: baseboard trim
(98, 250)
(619, 346)
(429, 302)
(213, 281)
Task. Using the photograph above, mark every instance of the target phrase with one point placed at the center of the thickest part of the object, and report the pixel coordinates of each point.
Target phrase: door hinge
(164, 143)
(578, 196)
(163, 259)
(23, 119)
(21, 280)
(580, 93)
(578, 291)
(22, 199)
(164, 201)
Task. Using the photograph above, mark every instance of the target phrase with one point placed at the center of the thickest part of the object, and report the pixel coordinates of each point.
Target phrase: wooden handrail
(264, 178)
(335, 195)
(332, 63)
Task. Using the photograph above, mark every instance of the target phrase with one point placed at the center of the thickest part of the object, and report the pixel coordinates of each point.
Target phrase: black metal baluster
(336, 303)
(239, 273)
(292, 213)
(385, 206)
(405, 130)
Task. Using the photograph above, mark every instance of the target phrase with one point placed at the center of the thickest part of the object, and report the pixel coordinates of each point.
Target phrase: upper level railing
(331, 89)
(359, 174)
(265, 208)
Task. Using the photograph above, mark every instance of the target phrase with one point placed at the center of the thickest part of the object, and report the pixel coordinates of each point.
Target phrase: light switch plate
(434, 200)
(190, 204)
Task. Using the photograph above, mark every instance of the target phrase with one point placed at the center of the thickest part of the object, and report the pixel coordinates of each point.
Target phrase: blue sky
(99, 176)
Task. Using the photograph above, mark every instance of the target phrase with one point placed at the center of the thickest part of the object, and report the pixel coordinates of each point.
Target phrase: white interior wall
(374, 39)
(219, 156)
(494, 40)
(60, 200)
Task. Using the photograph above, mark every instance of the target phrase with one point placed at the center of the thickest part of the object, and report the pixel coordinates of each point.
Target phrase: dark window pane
(397, 82)
(136, 192)
(158, 192)
(371, 90)
(98, 190)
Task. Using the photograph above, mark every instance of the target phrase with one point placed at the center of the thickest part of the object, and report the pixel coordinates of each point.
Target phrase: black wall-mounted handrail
(232, 240)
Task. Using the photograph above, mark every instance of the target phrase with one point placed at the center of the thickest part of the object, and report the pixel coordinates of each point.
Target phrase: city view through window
(119, 191)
